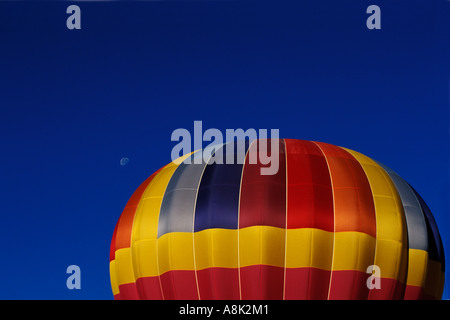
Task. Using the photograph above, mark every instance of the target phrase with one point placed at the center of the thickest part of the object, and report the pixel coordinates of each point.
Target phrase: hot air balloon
(312, 230)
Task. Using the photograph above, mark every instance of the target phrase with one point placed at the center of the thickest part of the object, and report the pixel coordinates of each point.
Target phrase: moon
(124, 161)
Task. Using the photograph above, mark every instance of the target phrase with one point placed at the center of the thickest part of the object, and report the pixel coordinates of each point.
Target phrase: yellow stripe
(144, 258)
(124, 267)
(216, 248)
(309, 247)
(113, 277)
(261, 245)
(417, 267)
(391, 253)
(144, 245)
(175, 252)
(129, 266)
(145, 224)
(353, 251)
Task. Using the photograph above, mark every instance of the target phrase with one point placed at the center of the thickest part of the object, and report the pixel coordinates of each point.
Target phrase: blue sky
(74, 102)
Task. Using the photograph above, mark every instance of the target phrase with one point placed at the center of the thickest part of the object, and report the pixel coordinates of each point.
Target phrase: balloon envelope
(312, 230)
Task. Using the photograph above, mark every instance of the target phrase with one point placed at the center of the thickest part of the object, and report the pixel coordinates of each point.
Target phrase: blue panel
(435, 247)
(218, 196)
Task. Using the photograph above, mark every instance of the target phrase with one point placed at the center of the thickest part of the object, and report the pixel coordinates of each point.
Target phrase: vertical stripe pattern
(220, 228)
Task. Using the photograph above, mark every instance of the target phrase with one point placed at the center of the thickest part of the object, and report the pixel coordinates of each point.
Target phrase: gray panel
(415, 221)
(178, 204)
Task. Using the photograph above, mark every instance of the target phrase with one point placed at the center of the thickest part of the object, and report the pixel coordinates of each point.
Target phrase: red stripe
(391, 289)
(175, 285)
(262, 282)
(354, 210)
(262, 202)
(125, 223)
(123, 231)
(218, 283)
(257, 282)
(413, 293)
(310, 205)
(112, 248)
(128, 291)
(353, 199)
(349, 285)
(179, 285)
(306, 284)
(149, 288)
(263, 197)
(310, 196)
